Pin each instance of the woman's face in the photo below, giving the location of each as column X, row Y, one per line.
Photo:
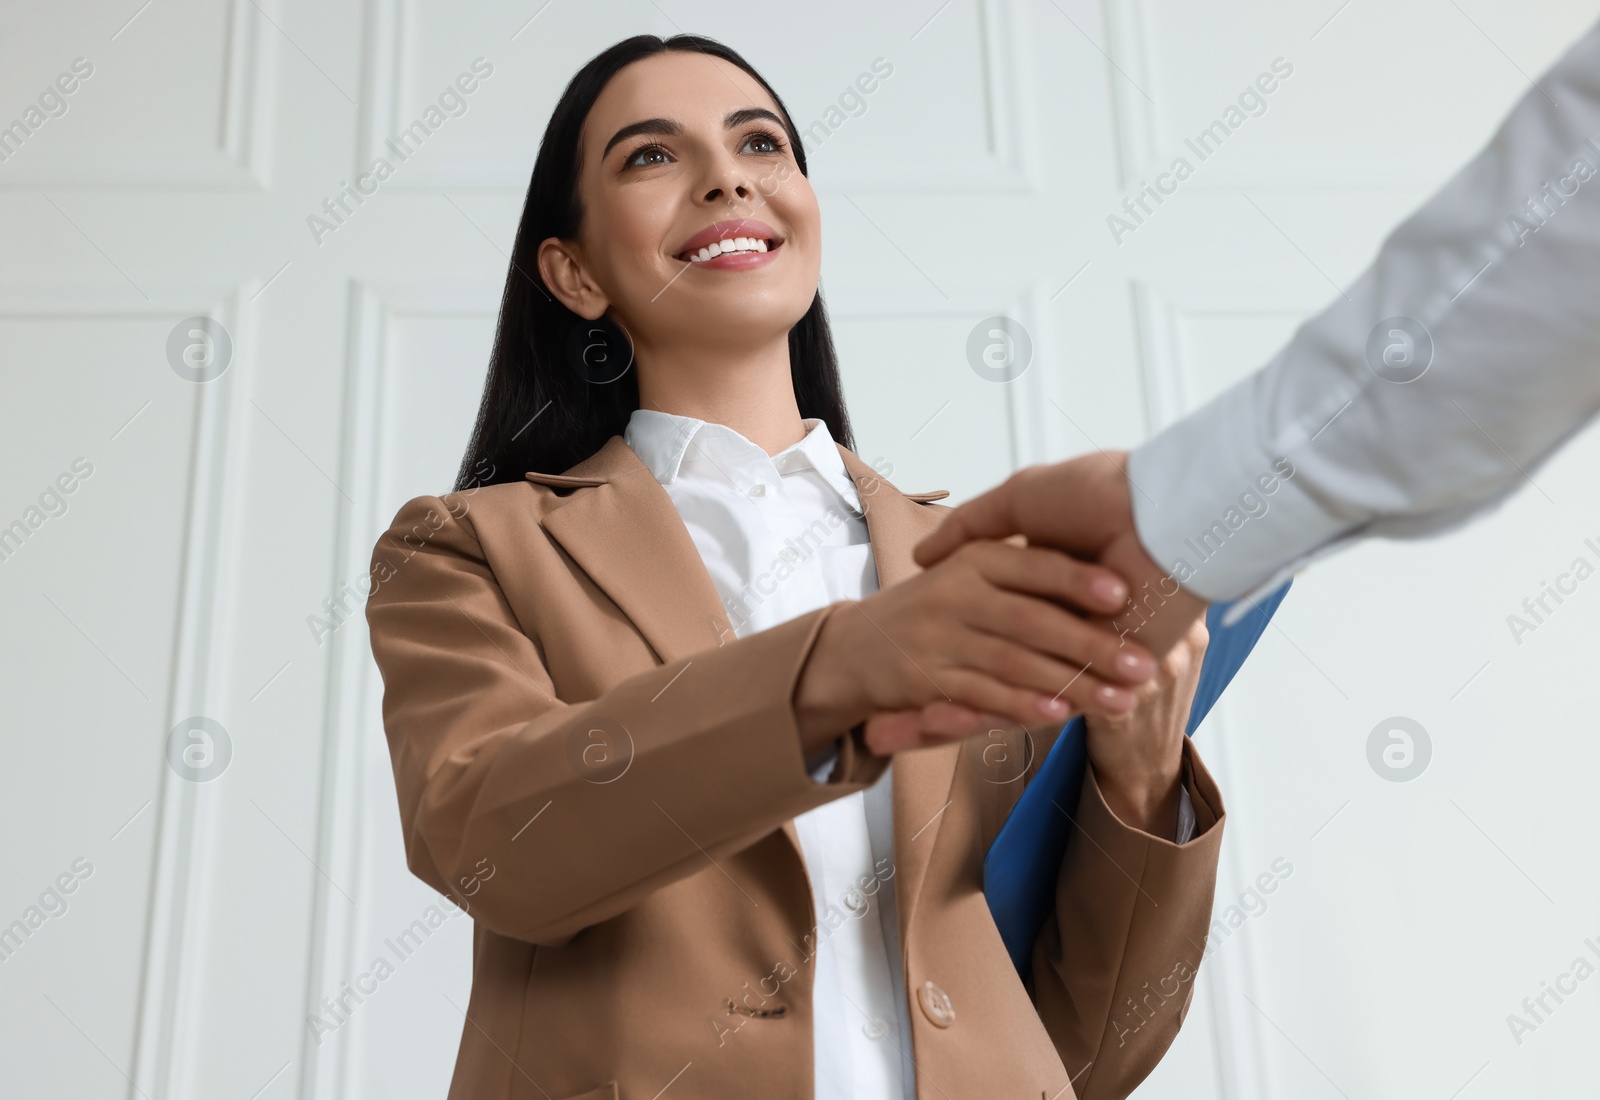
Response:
column 676, row 144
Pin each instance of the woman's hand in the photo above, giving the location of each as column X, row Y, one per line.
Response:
column 1137, row 756
column 991, row 628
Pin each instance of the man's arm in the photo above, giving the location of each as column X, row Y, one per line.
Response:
column 1460, row 361
column 1488, row 290
column 1500, row 273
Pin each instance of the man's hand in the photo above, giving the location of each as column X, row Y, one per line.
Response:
column 1080, row 506
column 1084, row 507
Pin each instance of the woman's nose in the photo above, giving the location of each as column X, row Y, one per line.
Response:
column 736, row 187
column 729, row 181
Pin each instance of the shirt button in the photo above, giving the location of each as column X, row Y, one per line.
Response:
column 875, row 1029
column 936, row 1005
column 759, row 489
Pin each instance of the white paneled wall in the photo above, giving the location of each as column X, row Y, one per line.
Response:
column 208, row 526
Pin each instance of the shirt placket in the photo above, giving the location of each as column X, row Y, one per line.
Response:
column 845, row 865
column 791, row 580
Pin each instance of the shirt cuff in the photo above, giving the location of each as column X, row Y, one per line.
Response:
column 1225, row 516
column 820, row 766
column 1185, row 815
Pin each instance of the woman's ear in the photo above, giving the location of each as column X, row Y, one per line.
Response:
column 562, row 271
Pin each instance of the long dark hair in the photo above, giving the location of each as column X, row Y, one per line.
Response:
column 545, row 406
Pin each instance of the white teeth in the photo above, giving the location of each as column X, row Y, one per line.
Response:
column 731, row 244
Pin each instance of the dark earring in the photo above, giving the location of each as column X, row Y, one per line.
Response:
column 600, row 351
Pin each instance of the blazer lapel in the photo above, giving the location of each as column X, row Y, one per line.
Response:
column 624, row 532
column 922, row 780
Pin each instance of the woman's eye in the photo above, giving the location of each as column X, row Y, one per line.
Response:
column 633, row 159
column 774, row 143
column 768, row 143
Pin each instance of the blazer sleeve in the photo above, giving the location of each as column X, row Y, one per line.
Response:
column 490, row 765
column 1113, row 967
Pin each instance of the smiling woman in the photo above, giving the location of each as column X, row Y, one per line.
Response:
column 600, row 242
column 694, row 833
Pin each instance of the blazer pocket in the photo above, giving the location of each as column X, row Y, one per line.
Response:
column 607, row 1091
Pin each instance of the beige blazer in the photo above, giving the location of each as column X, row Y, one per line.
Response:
column 591, row 762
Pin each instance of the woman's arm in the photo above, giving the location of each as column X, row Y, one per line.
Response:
column 1114, row 965
column 491, row 768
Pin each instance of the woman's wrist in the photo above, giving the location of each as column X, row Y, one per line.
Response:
column 828, row 702
column 1147, row 801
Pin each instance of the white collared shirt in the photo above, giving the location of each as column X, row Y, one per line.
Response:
column 781, row 535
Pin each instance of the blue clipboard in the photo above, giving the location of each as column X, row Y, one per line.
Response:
column 1020, row 869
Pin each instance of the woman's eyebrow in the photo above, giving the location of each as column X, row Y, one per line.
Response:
column 670, row 127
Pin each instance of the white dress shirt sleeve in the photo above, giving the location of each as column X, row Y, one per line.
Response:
column 820, row 766
column 1186, row 820
column 1501, row 269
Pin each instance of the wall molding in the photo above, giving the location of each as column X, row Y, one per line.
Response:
column 1011, row 165
column 1005, row 59
column 1146, row 142
column 1037, row 433
column 172, row 965
column 352, row 712
column 240, row 160
column 1243, row 1046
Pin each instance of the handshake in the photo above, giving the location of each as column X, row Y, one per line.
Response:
column 1071, row 618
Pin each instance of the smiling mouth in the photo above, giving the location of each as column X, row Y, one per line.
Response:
column 730, row 245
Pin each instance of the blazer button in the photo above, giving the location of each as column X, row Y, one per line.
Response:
column 936, row 1005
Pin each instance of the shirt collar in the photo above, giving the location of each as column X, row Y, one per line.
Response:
column 663, row 441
